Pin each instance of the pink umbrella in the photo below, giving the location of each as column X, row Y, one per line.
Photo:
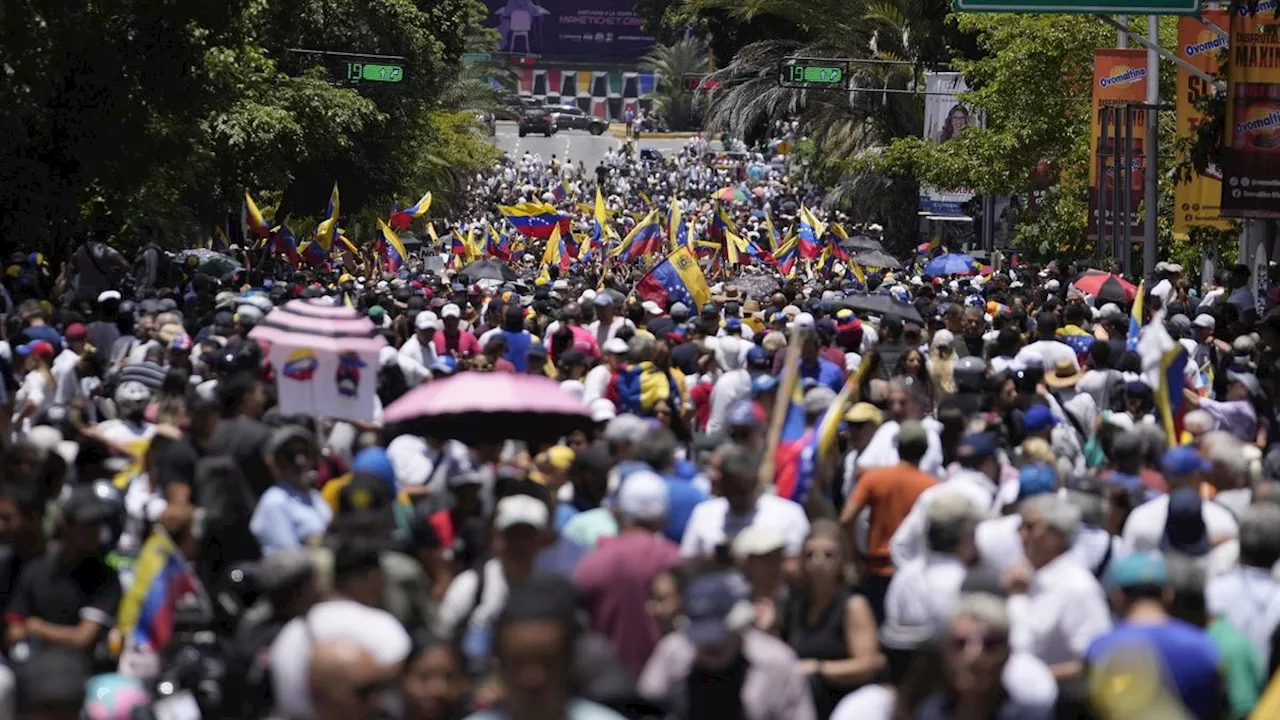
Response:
column 490, row 407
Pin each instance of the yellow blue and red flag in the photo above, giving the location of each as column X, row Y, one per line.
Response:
column 677, row 278
column 162, row 578
column 535, row 219
column 644, row 238
column 497, row 245
column 327, row 230
column 401, row 219
column 811, row 232
column 257, row 224
column 1135, row 317
column 283, row 241
column 390, row 249
column 677, row 229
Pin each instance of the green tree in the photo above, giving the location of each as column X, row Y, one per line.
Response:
column 671, row 63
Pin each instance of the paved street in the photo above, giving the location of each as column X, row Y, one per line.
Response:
column 573, row 144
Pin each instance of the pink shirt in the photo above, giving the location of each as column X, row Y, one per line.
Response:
column 615, row 579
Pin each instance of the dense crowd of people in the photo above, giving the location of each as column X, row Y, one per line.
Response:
column 1017, row 514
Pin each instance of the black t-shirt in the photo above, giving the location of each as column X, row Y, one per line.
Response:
column 245, row 439
column 717, row 694
column 50, row 590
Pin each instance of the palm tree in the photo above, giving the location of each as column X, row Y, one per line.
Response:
column 670, row 63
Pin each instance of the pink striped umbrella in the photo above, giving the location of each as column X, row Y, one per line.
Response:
column 490, row 406
column 319, row 326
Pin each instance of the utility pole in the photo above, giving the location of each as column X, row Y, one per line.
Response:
column 1122, row 38
column 1151, row 196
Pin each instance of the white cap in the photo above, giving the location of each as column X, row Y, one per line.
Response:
column 651, row 307
column 756, row 540
column 1205, row 320
column 451, row 310
column 616, row 346
column 643, row 496
column 804, row 320
column 521, row 510
column 625, row 429
column 426, row 320
column 387, row 356
column 586, row 296
column 602, row 409
column 106, row 295
column 1052, row 285
column 1110, row 310
column 560, row 284
column 791, row 311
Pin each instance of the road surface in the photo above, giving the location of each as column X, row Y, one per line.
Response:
column 574, row 145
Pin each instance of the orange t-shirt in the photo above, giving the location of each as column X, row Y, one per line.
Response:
column 890, row 494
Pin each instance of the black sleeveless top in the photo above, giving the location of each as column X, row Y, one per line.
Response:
column 822, row 641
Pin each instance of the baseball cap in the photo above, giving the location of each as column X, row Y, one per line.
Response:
column 521, row 510
column 912, row 432
column 1204, row 320
column 451, row 310
column 426, row 320
column 108, row 296
column 39, row 348
column 602, row 409
column 625, row 428
column 604, row 299
column 1039, row 418
column 651, row 307
column 680, row 310
column 709, row 602
column 733, row 324
column 616, row 346
column 757, row 358
column 367, row 498
column 818, row 399
column 864, row 412
column 756, row 540
column 286, row 434
column 744, row 413
column 1182, row 461
column 76, row 331
column 977, row 446
column 1141, row 569
column 1249, row 380
column 643, row 496
column 282, row 570
column 1036, row 479
column 763, row 383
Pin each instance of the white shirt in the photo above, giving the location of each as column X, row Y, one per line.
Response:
column 1144, row 531
column 1000, row 546
column 617, row 324
column 1064, row 610
column 65, row 377
column 376, row 631
column 416, row 463
column 461, row 597
column 1046, row 354
column 1250, row 598
column 35, row 388
column 413, row 349
column 712, row 524
column 908, row 541
column 1162, row 290
column 596, row 383
column 882, row 450
column 920, row 598
column 730, row 387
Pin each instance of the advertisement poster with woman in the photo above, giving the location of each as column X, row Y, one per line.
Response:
column 945, row 117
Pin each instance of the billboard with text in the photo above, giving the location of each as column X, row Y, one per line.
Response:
column 570, row 29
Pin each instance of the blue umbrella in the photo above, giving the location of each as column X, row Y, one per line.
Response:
column 952, row 264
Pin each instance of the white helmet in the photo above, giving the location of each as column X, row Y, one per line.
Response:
column 132, row 396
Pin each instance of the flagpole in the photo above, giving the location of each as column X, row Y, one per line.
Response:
column 781, row 401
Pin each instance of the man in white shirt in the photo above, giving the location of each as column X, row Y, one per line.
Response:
column 977, row 479
column 1201, row 529
column 905, row 403
column 1056, row 606
column 421, row 348
column 1249, row 595
column 1168, row 273
column 734, row 382
column 1047, row 351
column 596, row 383
column 718, row 520
column 64, row 365
column 607, row 327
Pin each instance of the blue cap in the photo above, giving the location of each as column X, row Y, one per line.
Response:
column 978, row 446
column 1036, row 479
column 374, row 461
column 763, row 383
column 757, row 357
column 708, row 601
column 1182, row 461
column 742, row 414
column 1137, row 387
column 732, row 324
column 1039, row 418
column 1143, row 569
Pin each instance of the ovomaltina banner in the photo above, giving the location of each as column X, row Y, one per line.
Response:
column 1251, row 145
column 1119, row 79
column 1198, row 202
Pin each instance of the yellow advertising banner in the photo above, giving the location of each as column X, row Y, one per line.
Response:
column 1198, row 202
column 1119, row 80
column 1251, row 142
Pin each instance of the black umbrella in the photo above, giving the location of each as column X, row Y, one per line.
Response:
column 877, row 259
column 410, row 242
column 487, row 270
column 882, row 305
column 862, row 242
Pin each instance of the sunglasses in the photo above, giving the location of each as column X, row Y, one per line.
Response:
column 984, row 642
column 823, row 553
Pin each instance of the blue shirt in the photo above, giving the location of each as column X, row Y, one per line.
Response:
column 1190, row 659
column 287, row 518
column 824, row 372
column 518, row 348
column 682, row 496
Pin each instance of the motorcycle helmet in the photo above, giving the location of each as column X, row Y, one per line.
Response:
column 969, row 374
column 132, row 397
column 113, row 697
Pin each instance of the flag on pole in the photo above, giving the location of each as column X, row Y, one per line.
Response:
column 676, row 279
column 328, row 228
column 401, row 219
column 1135, row 317
column 391, row 249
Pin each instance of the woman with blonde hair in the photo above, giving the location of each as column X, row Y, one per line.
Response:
column 829, row 624
column 942, row 365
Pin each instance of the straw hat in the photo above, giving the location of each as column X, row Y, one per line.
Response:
column 1064, row 375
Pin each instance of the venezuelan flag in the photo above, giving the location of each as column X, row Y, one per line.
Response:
column 328, row 228
column 811, row 232
column 560, row 192
column 257, row 224
column 392, row 250
column 166, row 579
column 556, row 254
column 1168, row 396
column 771, row 234
column 219, row 241
column 1135, row 317
column 497, row 245
column 720, row 225
column 458, row 244
column 676, row 279
column 786, row 257
column 283, row 241
column 600, row 231
column 644, row 238
column 1075, row 337
column 677, row 230
column 311, row 253
column 534, row 219
column 401, row 219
